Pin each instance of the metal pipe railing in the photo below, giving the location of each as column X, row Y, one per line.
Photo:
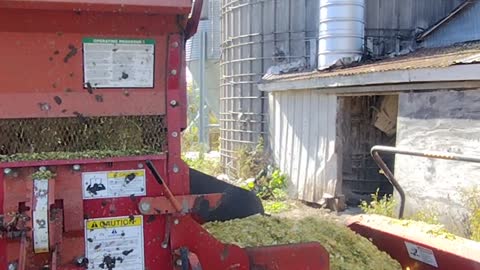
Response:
column 428, row 154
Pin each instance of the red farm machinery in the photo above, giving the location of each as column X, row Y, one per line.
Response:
column 92, row 106
column 99, row 87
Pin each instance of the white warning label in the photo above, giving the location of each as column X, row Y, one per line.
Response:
column 114, row 184
column 115, row 243
column 421, row 254
column 40, row 216
column 118, row 63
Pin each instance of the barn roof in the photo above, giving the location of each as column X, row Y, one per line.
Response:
column 418, row 66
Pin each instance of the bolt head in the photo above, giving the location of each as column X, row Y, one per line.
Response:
column 175, row 44
column 140, row 165
column 173, row 103
column 81, row 261
column 173, row 72
column 176, row 169
column 175, row 134
column 164, row 245
column 178, row 262
column 176, row 221
column 145, row 207
column 76, row 167
column 7, row 171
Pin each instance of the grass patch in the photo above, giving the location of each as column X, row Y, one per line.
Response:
column 384, row 206
column 472, row 201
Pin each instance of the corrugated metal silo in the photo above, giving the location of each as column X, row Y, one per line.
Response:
column 253, row 31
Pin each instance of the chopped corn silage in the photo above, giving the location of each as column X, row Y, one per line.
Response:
column 347, row 250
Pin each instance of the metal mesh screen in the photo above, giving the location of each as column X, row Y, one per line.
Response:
column 80, row 134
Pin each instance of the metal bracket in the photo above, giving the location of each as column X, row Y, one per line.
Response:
column 189, row 203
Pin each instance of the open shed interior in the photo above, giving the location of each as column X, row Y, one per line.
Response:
column 363, row 122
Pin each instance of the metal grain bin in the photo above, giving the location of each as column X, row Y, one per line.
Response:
column 341, row 31
column 252, row 31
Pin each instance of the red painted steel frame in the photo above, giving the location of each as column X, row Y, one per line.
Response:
column 42, row 60
column 68, row 195
column 41, row 52
column 172, row 7
column 449, row 254
column 37, row 37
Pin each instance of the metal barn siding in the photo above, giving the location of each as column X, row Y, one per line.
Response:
column 251, row 30
column 464, row 27
column 302, row 137
column 193, row 46
column 391, row 24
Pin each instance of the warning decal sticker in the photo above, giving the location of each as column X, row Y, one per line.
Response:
column 114, row 184
column 118, row 63
column 421, row 254
column 115, row 243
column 114, row 223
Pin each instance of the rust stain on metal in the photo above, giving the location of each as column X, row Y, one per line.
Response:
column 151, row 219
column 80, row 116
column 72, row 52
column 57, row 100
column 104, row 203
column 225, row 254
column 89, row 88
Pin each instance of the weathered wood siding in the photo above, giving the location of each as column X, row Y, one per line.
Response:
column 302, row 136
column 442, row 121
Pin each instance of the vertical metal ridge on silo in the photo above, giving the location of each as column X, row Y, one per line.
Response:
column 251, row 32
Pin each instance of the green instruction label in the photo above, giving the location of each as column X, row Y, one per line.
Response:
column 118, row 41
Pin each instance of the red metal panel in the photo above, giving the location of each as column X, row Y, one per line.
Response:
column 212, row 254
column 124, row 6
column 176, row 115
column 42, row 64
column 308, row 256
column 68, row 192
column 20, row 164
column 448, row 254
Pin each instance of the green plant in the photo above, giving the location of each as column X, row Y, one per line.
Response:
column 43, row 175
column 268, row 187
column 251, row 162
column 384, row 206
column 472, row 199
column 428, row 216
column 273, row 187
column 275, row 207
